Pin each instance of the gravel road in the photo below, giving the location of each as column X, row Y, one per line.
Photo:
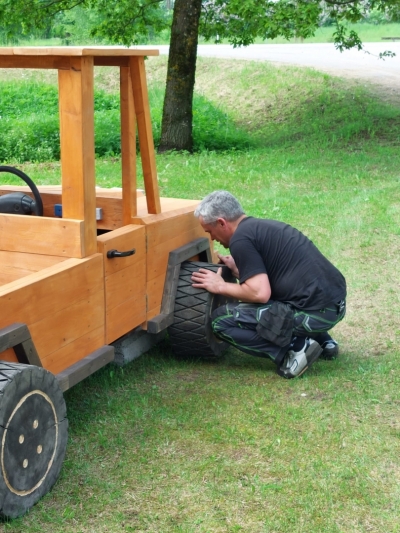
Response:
column 364, row 65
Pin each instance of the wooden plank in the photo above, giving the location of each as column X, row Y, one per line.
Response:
column 84, row 368
column 41, row 235
column 157, row 256
column 101, row 192
column 128, row 147
column 146, row 142
column 155, row 289
column 78, row 51
column 170, row 225
column 76, row 350
column 125, row 317
column 35, row 62
column 76, row 103
column 125, row 284
column 152, row 313
column 47, row 292
column 59, row 329
column 170, row 207
column 15, row 265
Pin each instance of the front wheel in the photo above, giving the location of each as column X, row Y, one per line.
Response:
column 191, row 334
column 33, row 435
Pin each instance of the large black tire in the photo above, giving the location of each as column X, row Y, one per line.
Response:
column 33, row 436
column 191, row 335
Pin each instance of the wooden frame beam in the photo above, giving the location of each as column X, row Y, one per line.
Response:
column 128, row 147
column 146, row 142
column 76, row 102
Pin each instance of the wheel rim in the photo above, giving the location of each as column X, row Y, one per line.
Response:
column 29, row 443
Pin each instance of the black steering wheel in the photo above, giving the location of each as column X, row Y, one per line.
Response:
column 19, row 203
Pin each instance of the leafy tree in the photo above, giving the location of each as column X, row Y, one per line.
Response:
column 238, row 21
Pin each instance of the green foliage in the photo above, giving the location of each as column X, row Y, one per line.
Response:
column 240, row 21
column 74, row 26
column 130, row 22
column 30, row 123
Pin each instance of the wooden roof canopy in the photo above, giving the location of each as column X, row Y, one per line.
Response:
column 75, row 67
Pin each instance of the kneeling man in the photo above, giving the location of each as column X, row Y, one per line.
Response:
column 288, row 296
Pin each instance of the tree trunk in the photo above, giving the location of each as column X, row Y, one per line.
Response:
column 176, row 130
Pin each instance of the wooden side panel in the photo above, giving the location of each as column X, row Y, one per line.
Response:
column 69, row 354
column 63, row 306
column 146, row 142
column 128, row 146
column 41, row 235
column 164, row 236
column 15, row 265
column 60, row 329
column 76, row 102
column 126, row 316
column 125, row 280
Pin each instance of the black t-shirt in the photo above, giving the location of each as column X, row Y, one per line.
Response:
column 298, row 272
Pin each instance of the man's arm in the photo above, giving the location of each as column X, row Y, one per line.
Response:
column 254, row 290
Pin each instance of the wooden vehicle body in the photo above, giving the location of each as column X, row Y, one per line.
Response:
column 65, row 297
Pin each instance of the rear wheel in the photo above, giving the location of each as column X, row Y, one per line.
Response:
column 33, row 435
column 191, row 334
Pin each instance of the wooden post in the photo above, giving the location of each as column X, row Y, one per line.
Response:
column 76, row 103
column 128, row 147
column 146, row 143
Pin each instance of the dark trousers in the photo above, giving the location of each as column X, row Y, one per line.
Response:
column 236, row 324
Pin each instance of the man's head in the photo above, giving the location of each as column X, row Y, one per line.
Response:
column 219, row 214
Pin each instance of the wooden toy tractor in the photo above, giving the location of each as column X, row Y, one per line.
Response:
column 87, row 275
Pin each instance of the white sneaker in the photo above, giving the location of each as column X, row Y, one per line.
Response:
column 295, row 363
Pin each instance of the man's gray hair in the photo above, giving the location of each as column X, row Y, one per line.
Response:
column 219, row 204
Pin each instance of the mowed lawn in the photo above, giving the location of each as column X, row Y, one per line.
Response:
column 166, row 445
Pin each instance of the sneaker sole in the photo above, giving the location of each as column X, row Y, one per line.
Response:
column 312, row 355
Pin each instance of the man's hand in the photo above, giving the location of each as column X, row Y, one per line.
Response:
column 230, row 263
column 208, row 280
column 254, row 290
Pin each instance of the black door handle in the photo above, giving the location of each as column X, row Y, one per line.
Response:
column 115, row 253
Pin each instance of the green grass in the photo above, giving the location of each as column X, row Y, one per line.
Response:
column 174, row 446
